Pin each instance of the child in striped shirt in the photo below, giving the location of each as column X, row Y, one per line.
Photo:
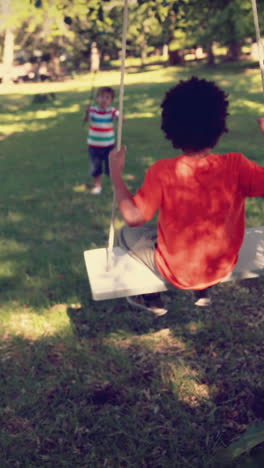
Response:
column 101, row 136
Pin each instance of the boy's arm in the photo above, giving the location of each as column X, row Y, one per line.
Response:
column 261, row 124
column 251, row 177
column 86, row 115
column 116, row 115
column 124, row 197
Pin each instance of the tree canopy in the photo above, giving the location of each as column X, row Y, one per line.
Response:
column 51, row 28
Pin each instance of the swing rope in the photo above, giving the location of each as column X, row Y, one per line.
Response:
column 259, row 41
column 94, row 73
column 119, row 131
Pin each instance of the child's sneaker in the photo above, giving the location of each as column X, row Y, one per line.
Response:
column 203, row 298
column 96, row 190
column 203, row 302
column 149, row 302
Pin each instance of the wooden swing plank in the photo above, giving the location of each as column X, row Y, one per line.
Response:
column 128, row 277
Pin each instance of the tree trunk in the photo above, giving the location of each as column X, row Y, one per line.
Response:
column 234, row 51
column 94, row 58
column 8, row 49
column 8, row 56
column 210, row 54
column 175, row 57
column 55, row 67
column 143, row 52
column 165, row 51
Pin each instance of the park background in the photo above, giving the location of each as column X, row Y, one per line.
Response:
column 98, row 384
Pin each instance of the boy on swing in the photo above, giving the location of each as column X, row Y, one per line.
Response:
column 200, row 197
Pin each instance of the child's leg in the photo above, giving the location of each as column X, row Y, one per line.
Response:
column 97, row 181
column 202, row 297
column 202, row 293
column 96, row 168
column 140, row 242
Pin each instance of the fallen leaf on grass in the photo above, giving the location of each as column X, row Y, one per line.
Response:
column 253, row 436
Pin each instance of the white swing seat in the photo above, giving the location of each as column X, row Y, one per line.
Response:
column 126, row 276
column 129, row 277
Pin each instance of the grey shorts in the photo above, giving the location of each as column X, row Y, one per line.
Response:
column 140, row 242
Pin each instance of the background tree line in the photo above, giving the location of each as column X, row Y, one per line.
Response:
column 46, row 33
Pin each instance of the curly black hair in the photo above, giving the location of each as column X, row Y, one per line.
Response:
column 194, row 114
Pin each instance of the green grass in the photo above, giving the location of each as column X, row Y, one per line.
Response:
column 96, row 384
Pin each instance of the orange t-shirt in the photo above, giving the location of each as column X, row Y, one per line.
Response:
column 201, row 222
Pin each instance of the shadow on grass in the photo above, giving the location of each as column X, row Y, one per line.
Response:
column 132, row 390
column 91, row 405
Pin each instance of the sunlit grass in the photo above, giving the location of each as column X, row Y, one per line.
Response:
column 181, row 379
column 32, row 325
column 247, row 104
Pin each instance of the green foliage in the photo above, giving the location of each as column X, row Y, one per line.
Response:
column 226, row 22
column 72, row 26
column 14, row 13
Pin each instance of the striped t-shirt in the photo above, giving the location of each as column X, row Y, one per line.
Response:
column 101, row 129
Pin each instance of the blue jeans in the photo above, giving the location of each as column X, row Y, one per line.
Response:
column 99, row 158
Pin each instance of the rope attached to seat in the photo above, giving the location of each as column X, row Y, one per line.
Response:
column 259, row 41
column 111, row 237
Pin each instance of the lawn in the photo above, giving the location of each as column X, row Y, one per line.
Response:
column 97, row 384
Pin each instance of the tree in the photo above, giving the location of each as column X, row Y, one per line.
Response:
column 228, row 22
column 12, row 14
column 54, row 27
